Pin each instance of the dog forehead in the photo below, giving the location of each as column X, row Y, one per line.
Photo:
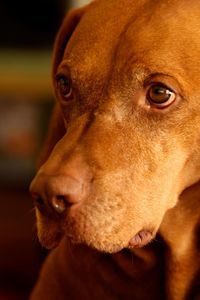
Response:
column 168, row 26
column 92, row 44
column 106, row 20
column 166, row 39
column 147, row 30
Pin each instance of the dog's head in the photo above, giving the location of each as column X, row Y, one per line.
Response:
column 124, row 138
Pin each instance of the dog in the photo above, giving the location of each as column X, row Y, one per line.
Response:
column 117, row 193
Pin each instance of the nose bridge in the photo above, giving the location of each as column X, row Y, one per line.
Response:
column 65, row 178
column 67, row 150
column 66, row 162
column 81, row 133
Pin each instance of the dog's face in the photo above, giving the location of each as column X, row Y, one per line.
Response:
column 127, row 83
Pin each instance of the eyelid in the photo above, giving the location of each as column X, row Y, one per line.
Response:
column 165, row 80
column 63, row 70
column 164, row 85
column 60, row 75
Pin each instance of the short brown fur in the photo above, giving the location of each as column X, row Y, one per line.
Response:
column 143, row 163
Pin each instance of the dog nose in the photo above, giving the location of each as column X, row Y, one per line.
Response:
column 57, row 192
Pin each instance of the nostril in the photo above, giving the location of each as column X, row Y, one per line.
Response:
column 59, row 204
column 38, row 200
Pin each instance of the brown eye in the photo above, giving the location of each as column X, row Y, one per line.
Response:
column 160, row 96
column 64, row 85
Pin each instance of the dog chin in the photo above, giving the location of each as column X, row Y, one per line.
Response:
column 51, row 240
column 106, row 247
column 140, row 240
column 109, row 245
column 50, row 235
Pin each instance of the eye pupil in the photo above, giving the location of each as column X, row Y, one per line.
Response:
column 64, row 85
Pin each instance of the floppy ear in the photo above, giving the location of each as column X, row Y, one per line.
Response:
column 56, row 127
column 66, row 30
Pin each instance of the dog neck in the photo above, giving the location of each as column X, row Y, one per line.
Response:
column 177, row 257
column 179, row 230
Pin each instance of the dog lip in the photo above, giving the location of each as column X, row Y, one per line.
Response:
column 51, row 245
column 142, row 238
column 52, row 241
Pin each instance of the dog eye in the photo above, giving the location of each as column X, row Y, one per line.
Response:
column 64, row 86
column 160, row 96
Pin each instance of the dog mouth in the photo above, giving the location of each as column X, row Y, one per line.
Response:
column 51, row 239
column 80, row 225
column 51, row 242
column 141, row 239
column 51, row 232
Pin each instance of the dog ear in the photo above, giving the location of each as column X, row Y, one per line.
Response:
column 56, row 127
column 66, row 30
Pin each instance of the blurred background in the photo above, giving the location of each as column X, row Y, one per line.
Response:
column 27, row 32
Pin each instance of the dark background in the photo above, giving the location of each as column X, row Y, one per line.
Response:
column 27, row 32
column 30, row 24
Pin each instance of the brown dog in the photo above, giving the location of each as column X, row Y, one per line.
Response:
column 126, row 162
